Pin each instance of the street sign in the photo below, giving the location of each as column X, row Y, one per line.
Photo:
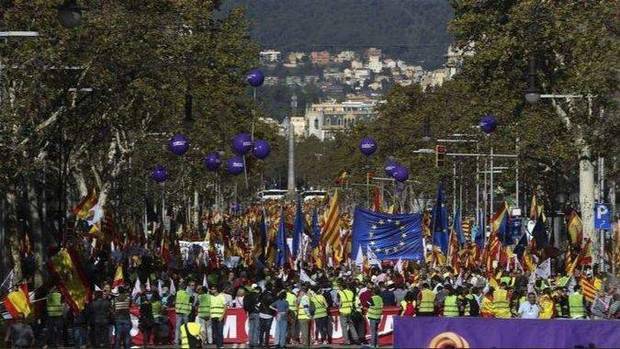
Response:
column 602, row 217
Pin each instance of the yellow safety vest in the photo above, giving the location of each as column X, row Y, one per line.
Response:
column 546, row 305
column 346, row 302
column 320, row 306
column 301, row 312
column 156, row 308
column 376, row 309
column 501, row 308
column 218, row 306
column 204, row 305
column 575, row 305
column 427, row 303
column 182, row 304
column 54, row 307
column 194, row 330
column 450, row 308
column 291, row 299
column 467, row 299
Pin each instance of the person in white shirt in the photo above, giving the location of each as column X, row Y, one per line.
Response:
column 529, row 309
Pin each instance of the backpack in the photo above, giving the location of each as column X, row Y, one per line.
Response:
column 193, row 341
column 409, row 309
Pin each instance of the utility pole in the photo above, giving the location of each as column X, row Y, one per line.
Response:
column 291, row 160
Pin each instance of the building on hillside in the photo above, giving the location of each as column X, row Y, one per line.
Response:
column 325, row 119
column 345, row 56
column 357, row 65
column 295, row 57
column 269, row 121
column 294, row 80
column 372, row 51
column 271, row 80
column 375, row 64
column 270, row 57
column 320, row 57
column 299, row 126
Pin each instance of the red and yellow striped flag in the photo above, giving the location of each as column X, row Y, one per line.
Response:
column 330, row 235
column 589, row 289
column 119, row 280
column 18, row 302
column 82, row 209
column 72, row 281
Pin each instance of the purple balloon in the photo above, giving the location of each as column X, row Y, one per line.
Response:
column 212, row 161
column 389, row 168
column 401, row 173
column 234, row 165
column 488, row 124
column 255, row 78
column 178, row 144
column 159, row 174
column 261, row 149
column 368, row 146
column 242, row 143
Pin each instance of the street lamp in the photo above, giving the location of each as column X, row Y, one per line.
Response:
column 532, row 95
column 69, row 14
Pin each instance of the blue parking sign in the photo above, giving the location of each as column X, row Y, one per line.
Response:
column 602, row 217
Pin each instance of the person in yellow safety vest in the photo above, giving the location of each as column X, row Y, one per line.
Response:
column 486, row 306
column 55, row 310
column 195, row 340
column 203, row 316
column 320, row 314
column 546, row 305
column 501, row 307
column 217, row 311
column 291, row 299
column 450, row 304
column 577, row 304
column 426, row 304
column 183, row 307
column 304, row 316
column 375, row 311
column 345, row 302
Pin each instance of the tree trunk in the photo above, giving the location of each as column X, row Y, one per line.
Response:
column 586, row 196
column 36, row 233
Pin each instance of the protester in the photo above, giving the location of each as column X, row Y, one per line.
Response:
column 20, row 334
column 218, row 311
column 529, row 309
column 280, row 307
column 375, row 310
column 122, row 320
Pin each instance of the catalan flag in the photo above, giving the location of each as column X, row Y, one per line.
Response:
column 588, row 286
column 18, row 302
column 82, row 209
column 72, row 283
column 501, row 225
column 331, row 232
column 118, row 277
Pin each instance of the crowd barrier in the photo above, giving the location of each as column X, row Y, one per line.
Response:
column 236, row 326
column 439, row 332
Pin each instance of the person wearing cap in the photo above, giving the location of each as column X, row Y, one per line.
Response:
column 250, row 305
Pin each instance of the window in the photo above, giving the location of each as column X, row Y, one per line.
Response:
column 316, row 123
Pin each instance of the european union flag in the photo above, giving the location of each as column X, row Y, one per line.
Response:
column 440, row 221
column 389, row 236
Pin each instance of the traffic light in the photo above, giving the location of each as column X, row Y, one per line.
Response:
column 440, row 155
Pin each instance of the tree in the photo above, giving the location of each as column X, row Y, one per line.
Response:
column 93, row 107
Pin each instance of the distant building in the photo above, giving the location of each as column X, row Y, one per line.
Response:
column 325, row 119
column 345, row 56
column 311, row 79
column 269, row 121
column 271, row 80
column 294, row 80
column 295, row 57
column 375, row 64
column 299, row 126
column 390, row 63
column 373, row 52
column 357, row 65
column 320, row 57
column 270, row 57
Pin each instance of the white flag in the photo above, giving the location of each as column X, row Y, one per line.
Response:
column 305, row 278
column 399, row 266
column 148, row 284
column 250, row 238
column 544, row 269
column 204, row 281
column 173, row 290
column 359, row 258
column 160, row 287
column 137, row 288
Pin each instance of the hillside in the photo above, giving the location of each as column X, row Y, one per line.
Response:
column 412, row 30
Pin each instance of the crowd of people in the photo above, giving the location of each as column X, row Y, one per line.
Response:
column 301, row 310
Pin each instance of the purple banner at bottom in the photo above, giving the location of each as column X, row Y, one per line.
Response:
column 438, row 332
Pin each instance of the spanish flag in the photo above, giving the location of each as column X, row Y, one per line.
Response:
column 82, row 210
column 72, row 282
column 18, row 302
column 331, row 233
